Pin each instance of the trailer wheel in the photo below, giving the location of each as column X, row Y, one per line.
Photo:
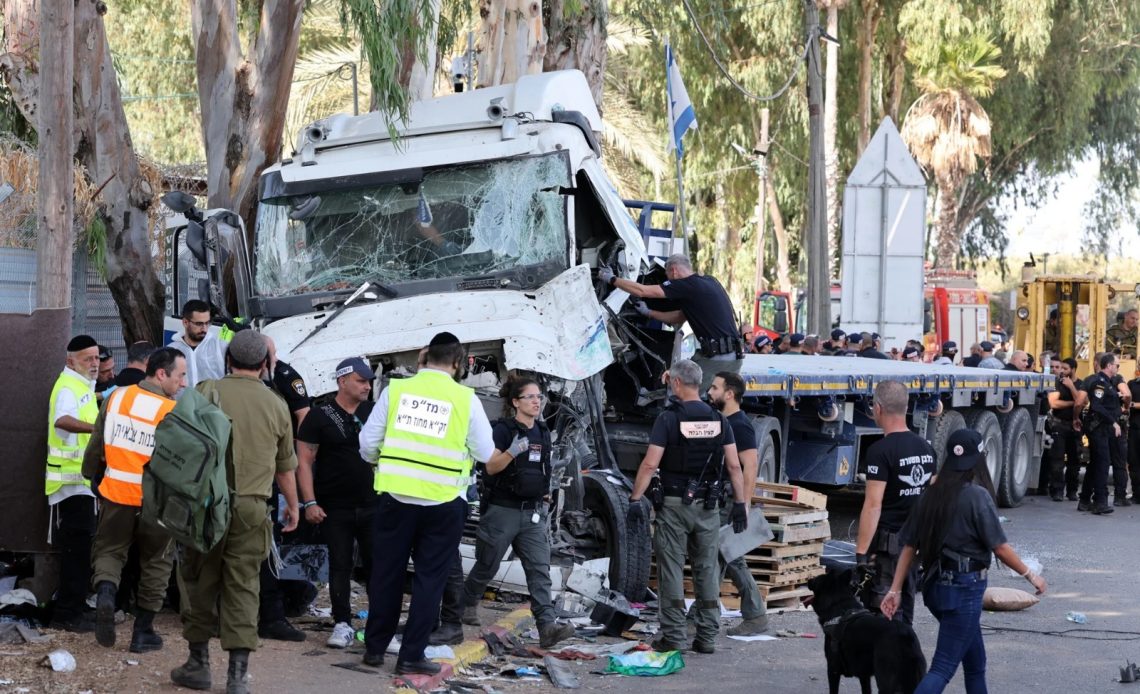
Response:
column 948, row 423
column 1014, row 479
column 628, row 548
column 767, row 460
column 987, row 425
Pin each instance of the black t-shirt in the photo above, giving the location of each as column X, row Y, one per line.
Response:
column 972, row 360
column 341, row 478
column 1104, row 398
column 705, row 304
column 289, row 385
column 129, row 376
column 1134, row 388
column 872, row 353
column 975, row 530
column 742, row 431
column 905, row 461
column 504, row 433
column 1065, row 394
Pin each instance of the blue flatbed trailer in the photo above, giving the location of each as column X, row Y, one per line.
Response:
column 813, row 416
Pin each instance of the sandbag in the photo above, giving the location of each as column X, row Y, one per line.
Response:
column 1007, row 599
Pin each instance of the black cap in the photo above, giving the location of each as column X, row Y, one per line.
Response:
column 910, row 351
column 964, row 450
column 876, row 336
column 950, row 346
column 761, row 341
column 444, row 338
column 104, row 353
column 837, row 334
column 355, row 365
column 855, row 338
column 81, row 342
column 796, row 339
column 986, row 346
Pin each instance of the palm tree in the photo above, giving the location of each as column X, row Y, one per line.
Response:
column 948, row 131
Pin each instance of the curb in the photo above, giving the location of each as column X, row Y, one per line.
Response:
column 466, row 653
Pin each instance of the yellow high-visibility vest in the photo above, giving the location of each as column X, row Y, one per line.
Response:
column 64, row 461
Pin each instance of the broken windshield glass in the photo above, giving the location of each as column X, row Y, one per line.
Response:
column 460, row 221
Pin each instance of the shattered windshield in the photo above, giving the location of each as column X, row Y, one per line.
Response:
column 459, row 221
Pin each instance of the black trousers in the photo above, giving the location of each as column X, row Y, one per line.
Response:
column 343, row 531
column 1134, row 457
column 1118, row 447
column 429, row 536
column 1095, row 485
column 1064, row 460
column 451, row 610
column 72, row 536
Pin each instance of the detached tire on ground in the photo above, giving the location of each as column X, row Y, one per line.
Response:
column 1013, row 482
column 987, row 425
column 628, row 548
column 949, row 422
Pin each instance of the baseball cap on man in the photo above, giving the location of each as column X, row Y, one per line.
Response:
column 837, row 334
column 964, row 450
column 355, row 365
column 796, row 339
column 761, row 341
column 910, row 351
column 950, row 346
column 105, row 353
column 986, row 346
column 855, row 338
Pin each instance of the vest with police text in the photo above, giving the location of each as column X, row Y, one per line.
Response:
column 65, row 462
column 130, row 418
column 695, row 448
column 424, row 453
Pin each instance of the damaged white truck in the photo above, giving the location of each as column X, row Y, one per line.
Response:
column 487, row 218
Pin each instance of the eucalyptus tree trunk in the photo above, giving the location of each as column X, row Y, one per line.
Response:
column 783, row 271
column 243, row 97
column 577, row 40
column 512, row 41
column 418, row 76
column 830, row 125
column 872, row 14
column 104, row 149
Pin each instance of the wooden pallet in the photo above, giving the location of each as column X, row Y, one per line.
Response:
column 785, row 600
column 798, row 577
column 800, row 532
column 789, row 495
column 781, row 515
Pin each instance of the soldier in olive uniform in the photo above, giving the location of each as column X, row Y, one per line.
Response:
column 1121, row 337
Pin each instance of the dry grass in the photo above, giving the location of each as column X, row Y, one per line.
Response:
column 20, row 167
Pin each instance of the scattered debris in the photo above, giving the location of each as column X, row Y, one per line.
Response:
column 19, row 596
column 356, row 666
column 18, row 633
column 432, row 652
column 1129, row 673
column 793, row 634
column 1077, row 617
column 646, row 663
column 60, row 661
column 755, row 637
column 314, row 652
column 560, row 674
column 614, row 611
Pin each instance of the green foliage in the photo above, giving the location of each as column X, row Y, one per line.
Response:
column 967, row 65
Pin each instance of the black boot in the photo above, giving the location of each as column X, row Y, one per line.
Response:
column 446, row 634
column 105, row 613
column 238, row 675
column 143, row 638
column 195, row 672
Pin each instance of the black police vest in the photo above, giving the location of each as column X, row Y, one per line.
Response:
column 695, row 448
column 525, row 478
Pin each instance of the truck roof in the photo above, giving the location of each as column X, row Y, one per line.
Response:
column 787, row 375
column 537, row 97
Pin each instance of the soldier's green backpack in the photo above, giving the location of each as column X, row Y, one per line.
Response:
column 185, row 485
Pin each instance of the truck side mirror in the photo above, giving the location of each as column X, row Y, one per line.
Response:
column 780, row 319
column 196, row 241
column 178, row 201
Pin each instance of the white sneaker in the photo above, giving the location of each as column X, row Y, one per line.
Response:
column 342, row 636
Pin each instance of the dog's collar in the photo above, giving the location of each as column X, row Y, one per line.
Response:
column 849, row 614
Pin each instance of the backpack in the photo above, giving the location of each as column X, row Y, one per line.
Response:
column 185, row 485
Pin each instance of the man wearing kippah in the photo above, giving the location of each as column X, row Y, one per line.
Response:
column 71, row 420
column 423, row 435
column 262, row 450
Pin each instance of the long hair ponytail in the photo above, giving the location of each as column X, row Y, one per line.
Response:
column 935, row 512
column 512, row 389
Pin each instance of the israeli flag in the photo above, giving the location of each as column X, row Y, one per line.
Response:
column 681, row 113
column 423, row 211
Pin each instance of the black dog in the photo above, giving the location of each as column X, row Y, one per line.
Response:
column 860, row 643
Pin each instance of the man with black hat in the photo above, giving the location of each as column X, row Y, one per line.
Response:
column 837, row 345
column 336, row 485
column 262, row 452
column 106, row 377
column 949, row 354
column 422, row 435
column 795, row 344
column 71, row 420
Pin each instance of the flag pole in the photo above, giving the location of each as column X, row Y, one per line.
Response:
column 680, row 194
column 679, row 229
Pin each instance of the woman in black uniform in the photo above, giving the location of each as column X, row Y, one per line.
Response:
column 953, row 531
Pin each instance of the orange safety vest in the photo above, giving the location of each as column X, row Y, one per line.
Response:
column 128, row 441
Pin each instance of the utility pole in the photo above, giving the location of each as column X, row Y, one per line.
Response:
column 761, row 158
column 818, row 299
column 55, row 237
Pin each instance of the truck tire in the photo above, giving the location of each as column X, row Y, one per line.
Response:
column 1018, row 445
column 768, row 463
column 628, row 548
column 948, row 423
column 987, row 425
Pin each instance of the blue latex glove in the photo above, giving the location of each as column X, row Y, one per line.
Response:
column 642, row 308
column 605, row 274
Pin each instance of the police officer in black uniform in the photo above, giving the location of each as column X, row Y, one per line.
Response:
column 1102, row 428
column 694, row 447
column 702, row 301
column 1063, row 457
column 1134, row 433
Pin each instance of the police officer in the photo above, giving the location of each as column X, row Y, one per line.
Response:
column 514, row 513
column 899, row 467
column 120, row 448
column 106, row 376
column 71, row 420
column 726, row 394
column 1121, row 337
column 262, row 448
column 867, row 347
column 762, row 344
column 795, row 344
column 1134, row 433
column 702, row 301
column 949, row 354
column 1102, row 428
column 1063, row 456
column 838, row 343
column 422, row 433
column 694, row 447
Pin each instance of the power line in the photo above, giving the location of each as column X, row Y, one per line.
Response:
column 724, row 71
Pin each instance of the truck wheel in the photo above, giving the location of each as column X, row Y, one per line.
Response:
column 767, row 462
column 987, row 425
column 1014, row 479
column 948, row 423
column 628, row 548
